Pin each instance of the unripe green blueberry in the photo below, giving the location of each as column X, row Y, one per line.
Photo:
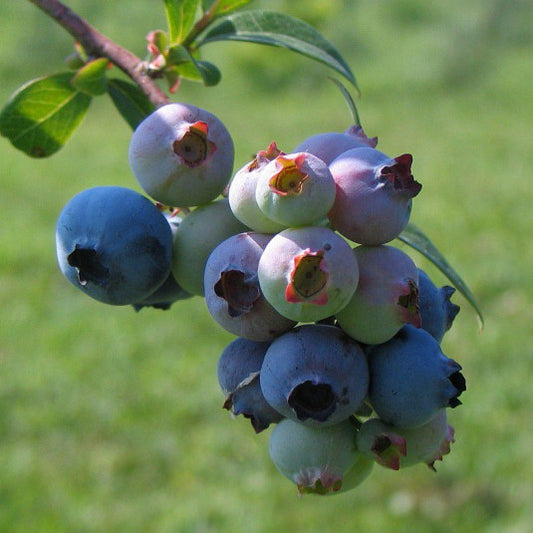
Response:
column 241, row 193
column 296, row 189
column 196, row 237
column 308, row 274
column 182, row 155
column 318, row 460
column 397, row 448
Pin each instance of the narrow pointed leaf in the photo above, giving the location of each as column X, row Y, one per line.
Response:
column 415, row 238
column 349, row 101
column 40, row 117
column 91, row 78
column 277, row 29
column 130, row 101
column 223, row 7
column 180, row 18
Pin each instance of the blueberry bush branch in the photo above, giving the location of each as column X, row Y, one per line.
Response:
column 98, row 45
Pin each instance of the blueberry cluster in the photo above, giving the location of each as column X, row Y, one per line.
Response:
column 337, row 331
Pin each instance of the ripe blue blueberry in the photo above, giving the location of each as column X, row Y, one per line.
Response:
column 315, row 374
column 411, row 379
column 437, row 312
column 113, row 244
column 238, row 376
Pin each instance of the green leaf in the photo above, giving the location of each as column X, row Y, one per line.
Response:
column 180, row 17
column 349, row 100
column 130, row 101
column 201, row 71
column 91, row 78
column 277, row 29
column 223, row 7
column 177, row 55
column 415, row 238
column 40, row 117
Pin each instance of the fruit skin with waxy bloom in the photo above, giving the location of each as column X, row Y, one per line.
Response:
column 396, row 448
column 329, row 145
column 296, row 190
column 315, row 374
column 196, row 237
column 374, row 195
column 386, row 297
column 242, row 190
column 322, row 461
column 238, row 376
column 308, row 273
column 182, row 155
column 437, row 312
column 232, row 292
column 113, row 244
column 411, row 379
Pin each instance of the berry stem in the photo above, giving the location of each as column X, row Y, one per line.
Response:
column 98, row 45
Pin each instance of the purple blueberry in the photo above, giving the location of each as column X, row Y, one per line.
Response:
column 308, row 274
column 232, row 292
column 327, row 146
column 386, row 297
column 182, row 155
column 396, row 448
column 113, row 244
column 319, row 460
column 411, row 379
column 374, row 195
column 437, row 312
column 315, row 374
column 238, row 375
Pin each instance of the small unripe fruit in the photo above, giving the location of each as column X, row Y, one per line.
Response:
column 319, row 460
column 374, row 195
column 296, row 190
column 232, row 292
column 308, row 274
column 196, row 237
column 242, row 190
column 386, row 297
column 397, row 448
column 182, row 155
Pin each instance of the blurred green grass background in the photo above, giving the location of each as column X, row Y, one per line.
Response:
column 111, row 420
